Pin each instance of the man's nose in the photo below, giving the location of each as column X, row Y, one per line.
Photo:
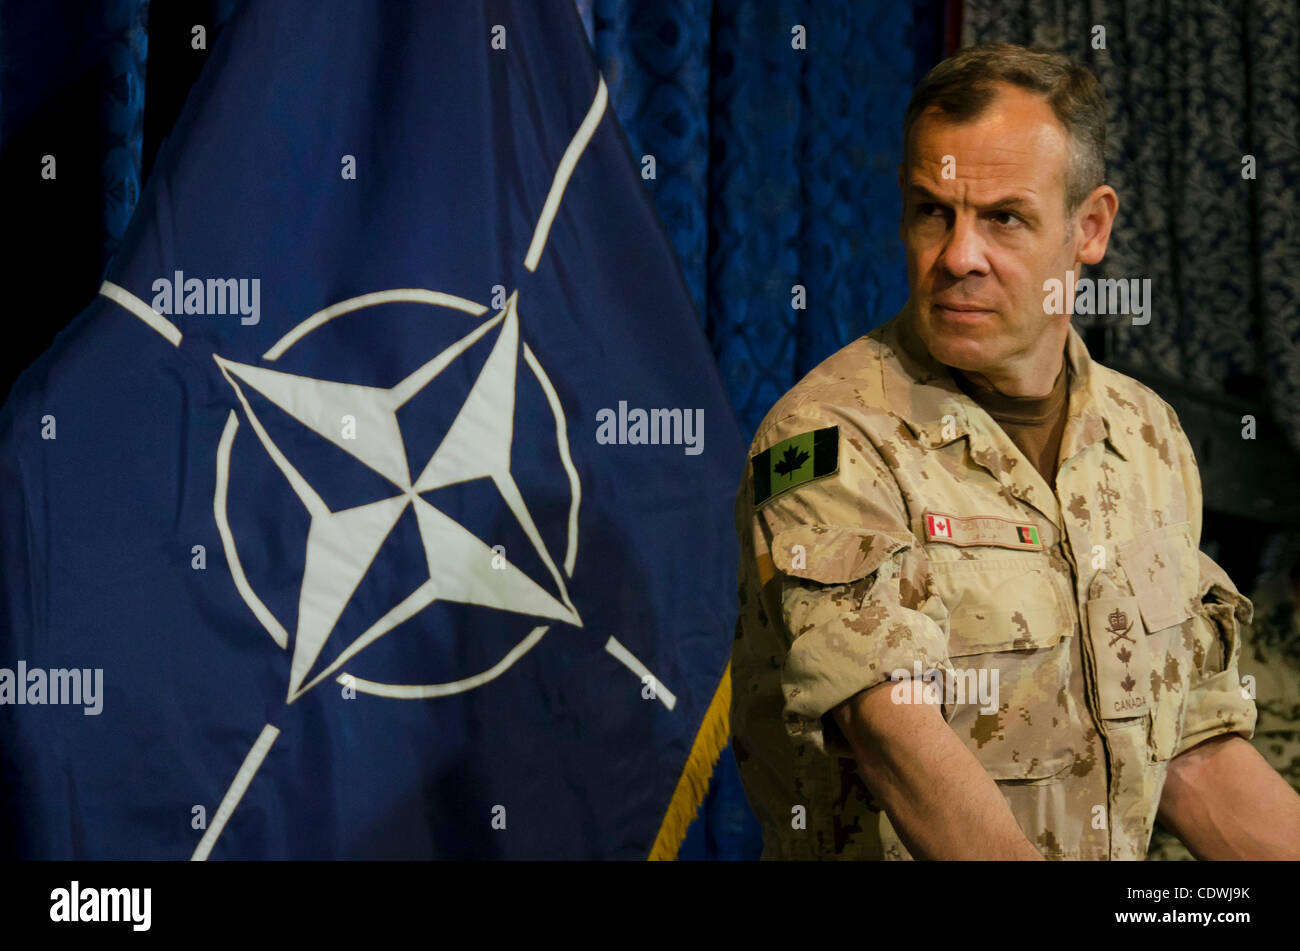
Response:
column 964, row 252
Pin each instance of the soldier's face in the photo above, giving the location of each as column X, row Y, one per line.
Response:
column 984, row 226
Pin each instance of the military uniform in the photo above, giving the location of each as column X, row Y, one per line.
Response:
column 888, row 525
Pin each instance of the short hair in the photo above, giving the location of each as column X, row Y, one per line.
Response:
column 964, row 85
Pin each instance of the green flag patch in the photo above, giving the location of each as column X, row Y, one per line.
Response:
column 796, row 461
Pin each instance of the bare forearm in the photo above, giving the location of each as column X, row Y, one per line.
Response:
column 941, row 801
column 1225, row 802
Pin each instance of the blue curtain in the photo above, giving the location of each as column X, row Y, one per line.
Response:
column 773, row 127
column 775, row 166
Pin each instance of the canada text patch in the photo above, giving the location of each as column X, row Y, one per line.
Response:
column 1119, row 645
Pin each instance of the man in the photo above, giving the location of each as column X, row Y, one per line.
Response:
column 962, row 499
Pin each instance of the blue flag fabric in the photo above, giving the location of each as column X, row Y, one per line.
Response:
column 380, row 505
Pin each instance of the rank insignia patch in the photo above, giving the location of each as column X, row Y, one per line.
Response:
column 795, row 461
column 1119, row 647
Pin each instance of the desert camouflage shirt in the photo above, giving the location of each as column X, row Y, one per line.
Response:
column 887, row 525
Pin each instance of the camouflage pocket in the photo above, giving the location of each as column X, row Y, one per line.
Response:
column 1161, row 568
column 1009, row 638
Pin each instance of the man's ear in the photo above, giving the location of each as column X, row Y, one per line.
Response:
column 1093, row 222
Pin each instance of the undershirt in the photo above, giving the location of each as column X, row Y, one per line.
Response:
column 1034, row 423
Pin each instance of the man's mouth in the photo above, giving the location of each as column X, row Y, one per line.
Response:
column 961, row 311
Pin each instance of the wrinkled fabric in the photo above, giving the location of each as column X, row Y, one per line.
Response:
column 1114, row 640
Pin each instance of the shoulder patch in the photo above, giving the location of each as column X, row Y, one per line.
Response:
column 795, row 461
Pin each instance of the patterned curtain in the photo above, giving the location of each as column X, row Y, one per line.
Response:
column 1193, row 87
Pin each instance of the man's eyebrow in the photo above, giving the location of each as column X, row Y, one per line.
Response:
column 1011, row 202
column 1008, row 203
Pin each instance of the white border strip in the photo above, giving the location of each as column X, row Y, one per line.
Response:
column 668, row 698
column 581, row 139
column 252, row 762
column 425, row 691
column 120, row 295
column 411, row 295
column 562, row 436
column 263, row 613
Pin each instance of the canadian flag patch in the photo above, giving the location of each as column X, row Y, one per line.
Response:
column 987, row 530
column 939, row 526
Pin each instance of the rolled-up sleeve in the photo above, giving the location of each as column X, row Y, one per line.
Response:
column 1217, row 701
column 850, row 584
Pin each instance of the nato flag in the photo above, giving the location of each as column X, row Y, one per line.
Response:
column 379, row 506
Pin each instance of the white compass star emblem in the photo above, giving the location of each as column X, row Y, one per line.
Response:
column 342, row 544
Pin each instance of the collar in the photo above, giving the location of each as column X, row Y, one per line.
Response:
column 922, row 392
